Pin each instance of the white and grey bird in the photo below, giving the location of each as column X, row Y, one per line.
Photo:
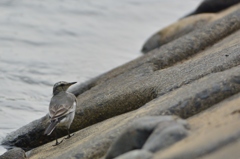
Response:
column 61, row 108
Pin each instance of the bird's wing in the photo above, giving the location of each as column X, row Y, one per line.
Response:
column 61, row 105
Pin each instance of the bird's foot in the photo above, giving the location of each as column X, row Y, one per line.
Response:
column 57, row 143
column 69, row 135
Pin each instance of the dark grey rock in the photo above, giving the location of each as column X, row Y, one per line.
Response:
column 135, row 136
column 34, row 138
column 15, row 153
column 183, row 27
column 136, row 154
column 213, row 6
column 215, row 134
column 94, row 141
column 164, row 135
column 176, row 30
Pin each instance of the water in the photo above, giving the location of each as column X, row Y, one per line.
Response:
column 42, row 42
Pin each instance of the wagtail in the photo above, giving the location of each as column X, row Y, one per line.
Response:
column 61, row 108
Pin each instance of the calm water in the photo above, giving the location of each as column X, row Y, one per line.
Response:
column 42, row 42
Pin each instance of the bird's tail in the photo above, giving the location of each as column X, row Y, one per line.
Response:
column 51, row 127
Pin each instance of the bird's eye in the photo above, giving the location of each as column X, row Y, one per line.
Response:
column 61, row 85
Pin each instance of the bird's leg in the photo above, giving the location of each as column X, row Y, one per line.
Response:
column 57, row 143
column 69, row 135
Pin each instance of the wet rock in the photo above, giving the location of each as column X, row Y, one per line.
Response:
column 33, row 138
column 135, row 136
column 15, row 153
column 136, row 154
column 212, row 6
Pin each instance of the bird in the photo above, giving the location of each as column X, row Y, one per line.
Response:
column 61, row 109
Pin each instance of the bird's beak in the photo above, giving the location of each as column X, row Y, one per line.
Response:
column 71, row 83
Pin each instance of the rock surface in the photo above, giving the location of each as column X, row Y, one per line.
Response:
column 184, row 102
column 195, row 77
column 164, row 135
column 15, row 153
column 183, row 27
column 212, row 6
column 150, row 133
column 136, row 154
column 217, row 129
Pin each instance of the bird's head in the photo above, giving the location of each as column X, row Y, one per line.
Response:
column 61, row 86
